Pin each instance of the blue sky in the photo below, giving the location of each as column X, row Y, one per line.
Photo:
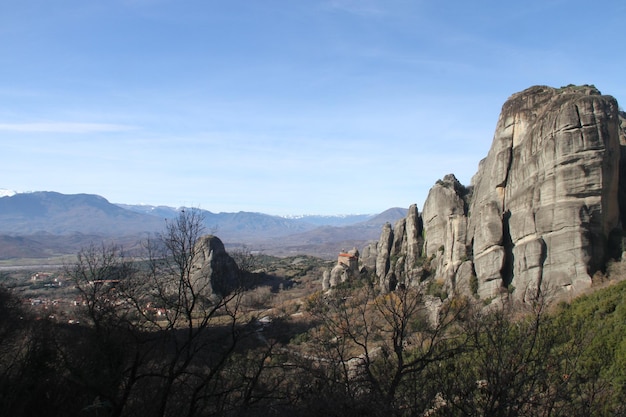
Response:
column 278, row 106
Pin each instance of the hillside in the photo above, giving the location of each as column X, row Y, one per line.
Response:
column 62, row 214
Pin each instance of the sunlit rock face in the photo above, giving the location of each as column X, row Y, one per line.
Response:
column 445, row 227
column 540, row 212
column 545, row 198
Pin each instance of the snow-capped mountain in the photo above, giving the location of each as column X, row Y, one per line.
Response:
column 7, row 193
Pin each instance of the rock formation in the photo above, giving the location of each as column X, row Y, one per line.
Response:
column 347, row 268
column 398, row 252
column 545, row 200
column 445, row 225
column 541, row 211
column 213, row 268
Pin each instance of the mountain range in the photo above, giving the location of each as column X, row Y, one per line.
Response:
column 45, row 223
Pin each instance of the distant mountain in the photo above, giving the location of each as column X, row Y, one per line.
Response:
column 22, row 247
column 6, row 193
column 240, row 225
column 336, row 220
column 46, row 245
column 307, row 219
column 44, row 223
column 62, row 214
column 328, row 241
column 316, row 235
column 164, row 212
column 388, row 216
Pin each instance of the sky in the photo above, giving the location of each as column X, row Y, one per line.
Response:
column 282, row 107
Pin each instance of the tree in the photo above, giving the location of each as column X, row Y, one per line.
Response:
column 379, row 347
column 521, row 362
column 31, row 383
column 97, row 274
column 159, row 330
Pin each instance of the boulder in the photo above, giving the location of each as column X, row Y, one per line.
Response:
column 347, row 268
column 338, row 274
column 214, row 271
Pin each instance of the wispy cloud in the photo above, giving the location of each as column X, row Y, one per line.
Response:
column 64, row 127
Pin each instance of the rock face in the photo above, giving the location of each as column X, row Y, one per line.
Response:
column 542, row 209
column 545, row 198
column 445, row 225
column 213, row 268
column 399, row 252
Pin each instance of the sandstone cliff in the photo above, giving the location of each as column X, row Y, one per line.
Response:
column 542, row 210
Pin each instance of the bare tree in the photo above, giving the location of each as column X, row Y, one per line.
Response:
column 104, row 355
column 179, row 332
column 245, row 259
column 197, row 328
column 384, row 343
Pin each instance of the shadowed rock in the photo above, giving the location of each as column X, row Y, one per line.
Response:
column 214, row 267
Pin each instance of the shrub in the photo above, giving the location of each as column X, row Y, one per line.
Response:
column 473, row 283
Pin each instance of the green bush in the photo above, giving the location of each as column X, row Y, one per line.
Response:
column 473, row 283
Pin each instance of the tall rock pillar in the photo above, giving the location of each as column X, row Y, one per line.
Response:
column 545, row 198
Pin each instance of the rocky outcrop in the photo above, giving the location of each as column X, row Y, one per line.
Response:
column 445, row 202
column 369, row 254
column 399, row 252
column 542, row 209
column 413, row 247
column 383, row 257
column 445, row 225
column 346, row 269
column 545, row 201
column 213, row 269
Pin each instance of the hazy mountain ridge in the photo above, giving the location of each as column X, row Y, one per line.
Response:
column 326, row 241
column 56, row 213
column 49, row 223
column 308, row 219
column 332, row 220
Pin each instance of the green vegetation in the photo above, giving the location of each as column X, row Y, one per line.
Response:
column 473, row 283
column 600, row 319
column 576, row 87
column 436, row 289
